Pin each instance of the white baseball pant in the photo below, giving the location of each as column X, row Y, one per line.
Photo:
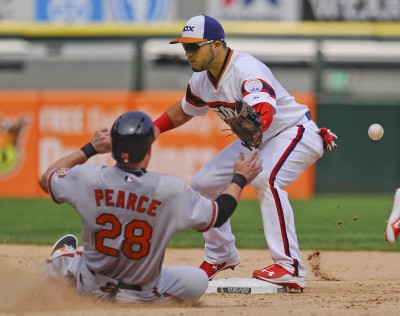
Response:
column 285, row 157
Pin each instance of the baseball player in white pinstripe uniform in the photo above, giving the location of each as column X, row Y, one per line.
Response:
column 291, row 143
column 393, row 223
column 129, row 215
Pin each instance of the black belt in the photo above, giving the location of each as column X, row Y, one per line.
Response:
column 124, row 286
column 133, row 287
column 308, row 115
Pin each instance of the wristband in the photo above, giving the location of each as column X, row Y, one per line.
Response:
column 88, row 150
column 164, row 123
column 239, row 179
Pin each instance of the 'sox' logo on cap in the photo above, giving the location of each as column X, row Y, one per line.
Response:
column 188, row 28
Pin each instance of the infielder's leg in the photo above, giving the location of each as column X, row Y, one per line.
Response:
column 210, row 180
column 285, row 157
column 393, row 223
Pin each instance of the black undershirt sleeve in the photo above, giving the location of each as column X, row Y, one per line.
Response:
column 226, row 205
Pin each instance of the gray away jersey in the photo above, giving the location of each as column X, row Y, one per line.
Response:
column 128, row 220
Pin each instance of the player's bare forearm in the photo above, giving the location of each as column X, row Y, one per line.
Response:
column 173, row 117
column 177, row 115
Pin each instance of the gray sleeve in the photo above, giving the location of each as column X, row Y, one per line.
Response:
column 64, row 183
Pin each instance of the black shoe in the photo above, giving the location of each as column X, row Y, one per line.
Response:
column 67, row 241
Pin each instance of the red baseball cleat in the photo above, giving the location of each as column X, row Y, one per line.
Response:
column 277, row 274
column 213, row 269
column 393, row 224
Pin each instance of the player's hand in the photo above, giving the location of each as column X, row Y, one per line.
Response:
column 249, row 167
column 328, row 138
column 101, row 141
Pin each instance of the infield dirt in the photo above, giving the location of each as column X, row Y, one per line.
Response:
column 338, row 283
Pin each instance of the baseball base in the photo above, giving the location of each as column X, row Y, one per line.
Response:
column 243, row 286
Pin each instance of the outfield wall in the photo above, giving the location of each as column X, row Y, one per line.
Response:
column 360, row 164
column 38, row 127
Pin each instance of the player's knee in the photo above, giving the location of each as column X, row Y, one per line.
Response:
column 261, row 182
column 197, row 182
column 198, row 288
column 209, row 183
column 200, row 184
column 196, row 284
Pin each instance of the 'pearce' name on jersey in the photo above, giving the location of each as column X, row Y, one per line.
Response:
column 126, row 200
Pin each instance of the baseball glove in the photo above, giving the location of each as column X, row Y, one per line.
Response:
column 246, row 125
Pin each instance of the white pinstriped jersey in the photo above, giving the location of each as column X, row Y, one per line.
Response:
column 242, row 77
column 127, row 219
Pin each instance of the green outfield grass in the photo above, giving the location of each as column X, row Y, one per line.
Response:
column 326, row 222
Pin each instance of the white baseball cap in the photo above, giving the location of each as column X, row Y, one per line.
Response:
column 201, row 28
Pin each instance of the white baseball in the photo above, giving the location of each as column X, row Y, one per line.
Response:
column 375, row 132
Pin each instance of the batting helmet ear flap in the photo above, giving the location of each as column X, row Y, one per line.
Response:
column 131, row 137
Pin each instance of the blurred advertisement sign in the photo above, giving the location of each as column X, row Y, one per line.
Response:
column 5, row 9
column 87, row 11
column 18, row 144
column 272, row 10
column 39, row 127
column 139, row 10
column 351, row 10
column 69, row 10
